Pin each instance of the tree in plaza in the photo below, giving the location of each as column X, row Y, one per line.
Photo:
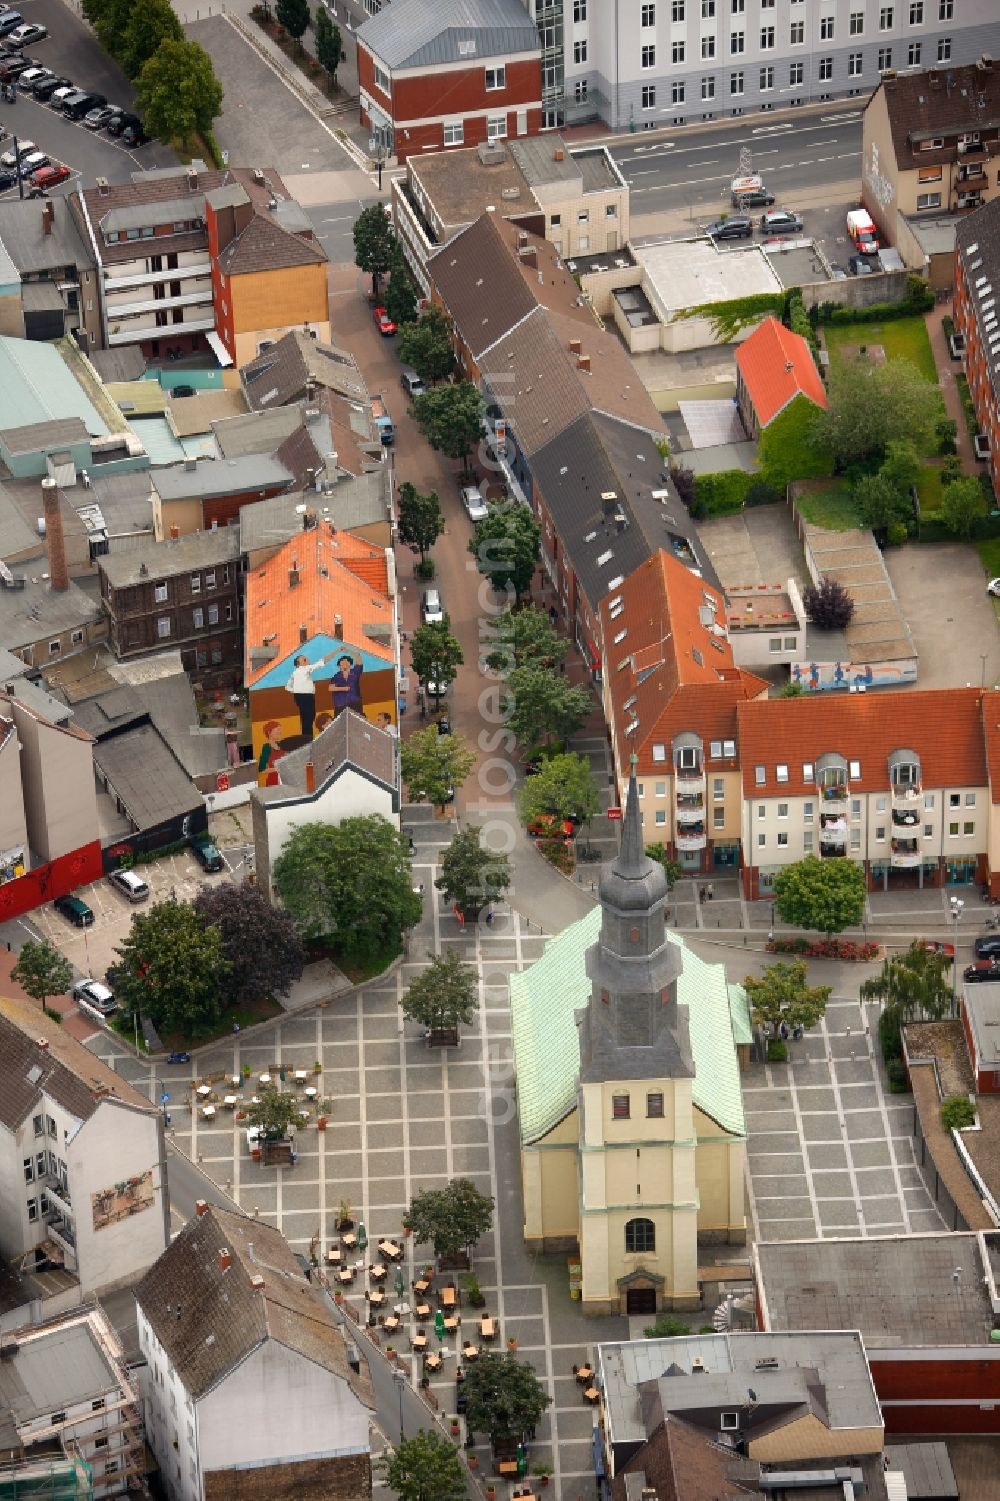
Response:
column 259, row 940
column 348, row 883
column 374, row 243
column 294, row 16
column 400, row 293
column 177, row 92
column 828, row 606
column 425, row 1467
column 504, row 1397
column 443, row 996
column 563, row 786
column 173, row 969
column 434, row 765
column 782, row 994
column 828, row 895
column 328, row 42
column 522, row 638
column 420, row 520
column 436, row 653
column 153, row 22
column 671, row 868
column 962, row 503
column 451, row 419
column 427, row 346
column 506, row 546
column 273, row 1112
column 472, row 875
column 541, row 707
column 41, row 970
column 870, row 405
column 452, row 1219
column 911, row 985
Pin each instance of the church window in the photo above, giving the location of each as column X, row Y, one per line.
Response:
column 640, row 1235
column 620, row 1107
column 634, row 935
column 654, row 1105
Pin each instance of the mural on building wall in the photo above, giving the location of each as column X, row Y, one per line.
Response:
column 12, row 864
column 819, row 677
column 124, row 1199
column 297, row 698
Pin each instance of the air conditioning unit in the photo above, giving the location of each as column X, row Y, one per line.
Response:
column 697, row 1364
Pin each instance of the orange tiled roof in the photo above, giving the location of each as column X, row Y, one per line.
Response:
column 943, row 726
column 777, row 365
column 674, row 672
column 339, row 574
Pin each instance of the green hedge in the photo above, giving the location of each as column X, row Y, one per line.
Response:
column 933, row 529
column 919, row 299
column 723, row 493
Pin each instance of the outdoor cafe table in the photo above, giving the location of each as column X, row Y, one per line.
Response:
column 448, row 1297
column 423, row 1310
column 390, row 1250
column 420, row 1342
column 377, row 1272
column 451, row 1324
column 231, row 1101
column 487, row 1328
column 208, row 1111
column 421, row 1285
column 311, row 1092
column 433, row 1361
column 584, row 1374
column 391, row 1323
column 333, row 1256
column 349, row 1239
column 203, row 1091
column 300, row 1076
column 376, row 1298
column 470, row 1352
column 346, row 1274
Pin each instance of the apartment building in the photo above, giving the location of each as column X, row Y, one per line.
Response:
column 66, row 1391
column 898, row 782
column 248, row 1388
column 454, row 73
column 932, row 138
column 83, row 1183
column 977, row 276
column 184, row 593
column 192, row 259
column 651, row 63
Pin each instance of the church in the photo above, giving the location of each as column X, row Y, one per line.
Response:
column 633, row 1139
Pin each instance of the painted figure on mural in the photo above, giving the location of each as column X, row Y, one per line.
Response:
column 302, row 687
column 345, row 684
column 271, row 751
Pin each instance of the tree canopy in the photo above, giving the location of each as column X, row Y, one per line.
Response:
column 444, row 995
column 433, row 765
column 564, row 786
column 173, row 969
column 543, row 707
column 374, row 243
column 828, row 604
column 294, row 16
column 329, row 43
column 259, row 940
column 451, row 418
column 504, row 1397
column 962, row 503
column 427, row 346
column 871, row 405
column 506, row 546
column 177, row 92
column 782, row 994
column 348, row 883
column 453, row 1219
column 911, row 985
column 472, row 875
column 436, row 653
column 148, row 25
column 274, row 1111
column 523, row 638
column 420, row 520
column 424, row 1468
column 400, row 293
column 41, row 970
column 828, row 895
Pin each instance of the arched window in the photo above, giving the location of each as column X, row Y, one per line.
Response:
column 640, row 1235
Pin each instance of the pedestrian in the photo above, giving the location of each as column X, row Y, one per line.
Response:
column 553, row 614
column 708, row 891
column 783, row 1031
column 701, row 893
column 236, row 1028
column 423, row 707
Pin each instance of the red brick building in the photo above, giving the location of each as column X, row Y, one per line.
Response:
column 977, row 276
column 455, row 73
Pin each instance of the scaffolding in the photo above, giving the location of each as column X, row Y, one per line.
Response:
column 53, row 1479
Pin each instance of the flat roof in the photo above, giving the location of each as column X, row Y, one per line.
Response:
column 202, row 479
column 934, row 236
column 53, row 1370
column 899, row 1291
column 797, row 262
column 686, row 273
column 982, row 1006
column 157, row 560
column 760, row 609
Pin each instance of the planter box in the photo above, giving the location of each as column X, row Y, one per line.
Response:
column 442, row 1037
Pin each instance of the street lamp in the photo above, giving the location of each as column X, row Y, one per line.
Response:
column 956, row 908
column 400, row 1381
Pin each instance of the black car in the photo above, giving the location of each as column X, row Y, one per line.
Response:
column 7, row 179
column 983, row 969
column 77, row 911
column 206, row 852
column 13, row 67
column 732, row 227
column 119, row 120
column 134, row 135
column 988, row 946
column 46, row 87
column 182, row 391
column 75, row 106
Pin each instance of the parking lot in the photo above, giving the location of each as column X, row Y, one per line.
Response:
column 72, row 51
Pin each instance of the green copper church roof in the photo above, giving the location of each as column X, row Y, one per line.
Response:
column 544, row 998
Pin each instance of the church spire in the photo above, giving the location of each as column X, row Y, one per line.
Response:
column 632, row 860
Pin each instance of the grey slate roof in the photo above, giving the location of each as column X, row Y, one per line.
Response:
column 413, row 34
column 161, row 687
column 351, row 740
column 146, row 776
column 211, row 478
column 165, row 559
column 279, row 374
column 209, row 1318
column 354, row 501
column 55, row 610
column 125, row 363
column 255, row 432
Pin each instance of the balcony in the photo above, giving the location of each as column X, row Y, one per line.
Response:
column 61, row 1234
column 906, row 795
column 829, row 848
column 904, row 853
column 134, row 333
column 972, row 172
column 691, row 836
column 973, row 151
column 834, row 793
column 120, row 283
column 690, row 807
column 690, row 781
column 905, row 818
column 58, row 1196
column 127, row 309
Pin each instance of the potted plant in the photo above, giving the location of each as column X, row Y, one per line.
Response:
column 344, row 1219
column 476, row 1296
column 317, row 1067
column 455, row 1428
column 491, row 1491
column 511, row 1342
column 543, row 1472
column 338, row 1296
column 473, row 1461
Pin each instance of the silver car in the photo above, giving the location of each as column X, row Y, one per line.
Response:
column 431, row 608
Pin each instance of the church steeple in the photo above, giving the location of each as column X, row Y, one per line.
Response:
column 633, row 1027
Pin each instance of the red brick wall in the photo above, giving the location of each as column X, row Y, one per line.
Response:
column 976, row 369
column 949, row 1394
column 223, row 510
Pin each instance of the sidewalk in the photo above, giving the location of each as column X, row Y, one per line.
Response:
column 947, row 369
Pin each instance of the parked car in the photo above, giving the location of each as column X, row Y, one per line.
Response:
column 76, row 910
column 547, row 826
column 179, row 1057
column 134, row 135
column 13, row 67
column 988, row 946
column 75, row 106
column 981, row 971
column 27, row 34
column 10, row 20
column 411, row 382
column 31, row 163
column 97, row 118
column 7, row 179
column 50, row 176
column 129, row 884
column 30, row 76
column 754, row 198
column 119, row 120
column 935, row 946
column 475, row 505
column 46, row 87
column 206, row 852
column 92, row 996
column 733, row 227
column 431, row 608
column 58, row 95
column 183, row 391
column 780, row 222
column 858, row 266
column 383, row 322
column 993, row 587
column 444, row 725
column 837, row 272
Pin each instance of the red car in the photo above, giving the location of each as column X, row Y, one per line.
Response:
column 383, row 322
column 547, row 826
column 935, row 946
column 48, row 177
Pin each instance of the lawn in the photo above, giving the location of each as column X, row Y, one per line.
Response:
column 901, row 338
column 828, row 503
column 929, row 488
column 989, row 556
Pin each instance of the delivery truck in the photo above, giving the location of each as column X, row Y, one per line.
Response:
column 863, row 230
column 382, row 420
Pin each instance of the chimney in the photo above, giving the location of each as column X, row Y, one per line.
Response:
column 303, row 634
column 191, row 177
column 102, row 187
column 558, row 154
column 257, row 1283
column 41, row 1042
column 310, row 777
column 175, row 532
column 143, row 570
column 575, row 346
column 200, row 1207
column 48, row 215
column 190, row 464
column 310, row 389
column 54, row 541
column 522, row 237
column 225, row 1259
column 583, row 362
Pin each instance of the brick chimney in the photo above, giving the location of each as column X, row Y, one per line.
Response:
column 225, row 1259
column 48, row 217
column 583, row 362
column 200, row 1207
column 55, row 543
